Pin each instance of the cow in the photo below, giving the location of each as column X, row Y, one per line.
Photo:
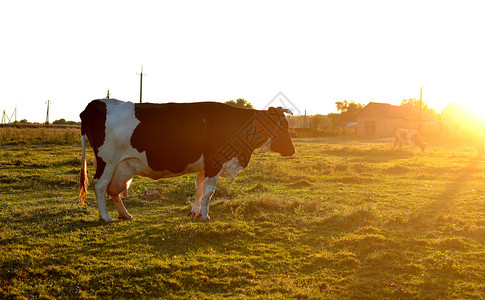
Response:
column 410, row 137
column 166, row 140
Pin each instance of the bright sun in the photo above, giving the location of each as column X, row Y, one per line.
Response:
column 466, row 111
column 476, row 110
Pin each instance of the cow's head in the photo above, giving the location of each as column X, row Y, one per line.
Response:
column 281, row 140
column 416, row 137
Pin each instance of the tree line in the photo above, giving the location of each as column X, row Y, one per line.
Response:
column 56, row 122
column 347, row 113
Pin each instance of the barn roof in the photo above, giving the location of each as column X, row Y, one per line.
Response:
column 387, row 110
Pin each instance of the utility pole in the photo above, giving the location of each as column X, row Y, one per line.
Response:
column 420, row 105
column 47, row 116
column 107, row 95
column 141, row 82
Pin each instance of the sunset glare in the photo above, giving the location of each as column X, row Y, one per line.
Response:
column 315, row 52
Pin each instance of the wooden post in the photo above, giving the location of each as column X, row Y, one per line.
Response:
column 141, row 82
column 47, row 116
column 420, row 105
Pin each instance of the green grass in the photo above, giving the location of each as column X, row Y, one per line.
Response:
column 339, row 219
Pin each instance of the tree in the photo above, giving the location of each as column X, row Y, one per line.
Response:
column 64, row 122
column 319, row 121
column 348, row 110
column 414, row 103
column 334, row 119
column 60, row 122
column 240, row 103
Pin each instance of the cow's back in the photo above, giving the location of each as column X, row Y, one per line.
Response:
column 171, row 135
column 176, row 134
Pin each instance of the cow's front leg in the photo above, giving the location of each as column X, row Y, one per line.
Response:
column 209, row 189
column 411, row 146
column 199, row 193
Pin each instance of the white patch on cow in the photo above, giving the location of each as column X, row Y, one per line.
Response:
column 120, row 125
column 195, row 166
column 231, row 168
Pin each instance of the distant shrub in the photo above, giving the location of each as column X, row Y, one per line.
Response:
column 63, row 122
column 39, row 135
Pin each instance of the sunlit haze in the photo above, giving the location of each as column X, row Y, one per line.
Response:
column 315, row 52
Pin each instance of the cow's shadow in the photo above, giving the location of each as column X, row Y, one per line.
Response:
column 445, row 200
column 148, row 240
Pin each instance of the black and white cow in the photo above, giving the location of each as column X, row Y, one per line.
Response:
column 166, row 140
column 410, row 137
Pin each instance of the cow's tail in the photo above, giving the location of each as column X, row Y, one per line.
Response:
column 83, row 180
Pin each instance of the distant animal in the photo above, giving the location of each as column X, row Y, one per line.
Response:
column 410, row 137
column 167, row 140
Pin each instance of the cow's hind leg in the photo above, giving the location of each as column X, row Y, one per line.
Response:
column 101, row 179
column 100, row 188
column 119, row 184
column 209, row 189
column 199, row 193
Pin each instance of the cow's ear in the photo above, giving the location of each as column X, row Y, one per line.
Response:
column 272, row 111
column 285, row 110
column 280, row 110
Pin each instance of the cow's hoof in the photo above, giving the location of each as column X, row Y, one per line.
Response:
column 126, row 218
column 107, row 220
column 194, row 215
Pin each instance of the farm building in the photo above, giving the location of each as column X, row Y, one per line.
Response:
column 380, row 120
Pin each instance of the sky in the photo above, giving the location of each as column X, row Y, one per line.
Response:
column 314, row 52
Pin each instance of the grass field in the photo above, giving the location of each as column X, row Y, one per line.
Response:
column 342, row 218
